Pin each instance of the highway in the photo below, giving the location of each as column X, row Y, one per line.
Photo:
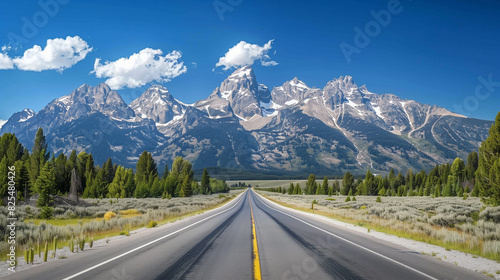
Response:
column 219, row 244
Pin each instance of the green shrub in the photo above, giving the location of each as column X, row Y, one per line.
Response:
column 46, row 213
column 151, row 224
column 347, row 199
column 378, row 199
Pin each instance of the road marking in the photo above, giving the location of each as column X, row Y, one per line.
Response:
column 154, row 241
column 348, row 241
column 256, row 259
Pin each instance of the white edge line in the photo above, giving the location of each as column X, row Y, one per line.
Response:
column 151, row 242
column 343, row 239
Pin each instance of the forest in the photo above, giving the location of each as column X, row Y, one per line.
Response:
column 42, row 173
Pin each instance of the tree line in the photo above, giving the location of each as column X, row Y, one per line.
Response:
column 480, row 177
column 41, row 172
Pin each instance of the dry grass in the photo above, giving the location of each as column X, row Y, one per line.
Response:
column 71, row 222
column 450, row 222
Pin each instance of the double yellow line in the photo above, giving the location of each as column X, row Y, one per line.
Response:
column 256, row 260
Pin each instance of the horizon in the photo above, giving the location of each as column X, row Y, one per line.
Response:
column 418, row 51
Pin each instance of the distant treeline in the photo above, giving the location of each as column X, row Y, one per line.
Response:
column 479, row 177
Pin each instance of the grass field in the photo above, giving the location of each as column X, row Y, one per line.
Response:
column 88, row 223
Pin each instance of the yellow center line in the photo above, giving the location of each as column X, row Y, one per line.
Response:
column 256, row 260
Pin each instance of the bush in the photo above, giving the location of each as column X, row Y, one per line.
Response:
column 46, row 213
column 130, row 212
column 347, row 199
column 151, row 224
column 109, row 215
column 378, row 199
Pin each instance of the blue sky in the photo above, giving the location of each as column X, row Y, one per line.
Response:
column 435, row 53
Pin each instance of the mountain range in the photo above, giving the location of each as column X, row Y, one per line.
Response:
column 245, row 126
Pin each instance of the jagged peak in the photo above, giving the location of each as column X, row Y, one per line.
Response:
column 343, row 81
column 243, row 72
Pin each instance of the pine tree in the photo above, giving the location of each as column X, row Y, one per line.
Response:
column 146, row 167
column 471, row 167
column 45, row 186
column 60, row 174
column 100, row 184
column 129, row 188
column 4, row 177
column 186, row 189
column 347, row 183
column 369, row 186
column 156, row 189
column 298, row 189
column 118, row 184
column 290, row 189
column 489, row 153
column 109, row 171
column 205, row 182
column 22, row 179
column 39, row 156
column 325, row 185
column 310, row 184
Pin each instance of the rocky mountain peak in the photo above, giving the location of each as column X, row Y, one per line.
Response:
column 100, row 98
column 158, row 104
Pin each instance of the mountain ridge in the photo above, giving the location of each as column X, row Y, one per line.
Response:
column 244, row 125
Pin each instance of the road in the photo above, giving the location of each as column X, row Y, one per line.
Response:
column 218, row 244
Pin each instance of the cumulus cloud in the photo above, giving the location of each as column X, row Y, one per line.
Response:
column 6, row 62
column 244, row 53
column 59, row 54
column 140, row 68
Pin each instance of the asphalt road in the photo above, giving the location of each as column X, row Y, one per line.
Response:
column 218, row 245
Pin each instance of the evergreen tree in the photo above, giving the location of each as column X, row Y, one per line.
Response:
column 129, row 188
column 142, row 190
column 22, row 179
column 471, row 167
column 347, row 183
column 310, row 184
column 116, row 187
column 146, row 168
column 45, row 186
column 100, row 184
column 186, row 189
column 325, row 185
column 156, row 188
column 205, row 182
column 4, row 177
column 62, row 178
column 291, row 189
column 39, row 156
column 369, row 185
column 489, row 153
column 109, row 171
column 298, row 189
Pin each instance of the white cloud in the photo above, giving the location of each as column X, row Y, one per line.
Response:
column 6, row 62
column 244, row 53
column 59, row 54
column 140, row 68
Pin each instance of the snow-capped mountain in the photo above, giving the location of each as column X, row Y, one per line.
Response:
column 244, row 125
